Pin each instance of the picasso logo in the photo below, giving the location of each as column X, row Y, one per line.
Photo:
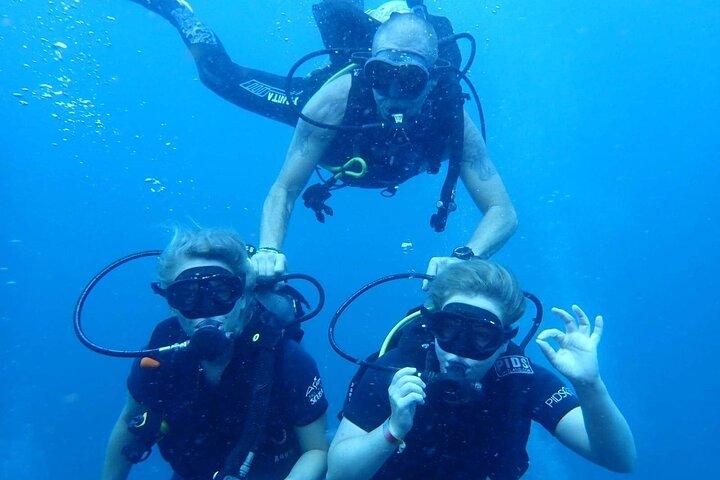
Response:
column 558, row 397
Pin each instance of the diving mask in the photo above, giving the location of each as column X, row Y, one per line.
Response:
column 398, row 74
column 203, row 292
column 468, row 331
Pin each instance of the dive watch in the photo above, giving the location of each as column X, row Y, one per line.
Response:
column 463, row 253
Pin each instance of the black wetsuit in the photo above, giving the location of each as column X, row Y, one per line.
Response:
column 205, row 421
column 259, row 91
column 484, row 439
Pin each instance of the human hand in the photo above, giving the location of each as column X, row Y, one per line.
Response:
column 436, row 265
column 268, row 264
column 406, row 392
column 576, row 357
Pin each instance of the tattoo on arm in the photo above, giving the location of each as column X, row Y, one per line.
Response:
column 484, row 168
column 475, row 156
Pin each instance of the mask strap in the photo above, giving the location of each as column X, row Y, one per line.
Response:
column 157, row 289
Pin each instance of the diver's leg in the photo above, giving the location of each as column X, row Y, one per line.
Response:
column 254, row 90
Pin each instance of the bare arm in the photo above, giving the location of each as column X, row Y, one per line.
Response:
column 597, row 430
column 313, row 462
column 356, row 454
column 486, row 188
column 116, row 466
column 307, row 148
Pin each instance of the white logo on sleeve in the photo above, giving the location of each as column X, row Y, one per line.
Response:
column 315, row 391
column 558, row 397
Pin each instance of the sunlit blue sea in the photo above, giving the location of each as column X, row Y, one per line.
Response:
column 602, row 119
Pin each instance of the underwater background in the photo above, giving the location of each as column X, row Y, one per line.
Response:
column 602, row 120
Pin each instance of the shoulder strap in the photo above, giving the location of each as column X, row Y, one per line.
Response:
column 315, row 197
column 446, row 204
column 266, row 336
column 240, row 460
column 360, row 104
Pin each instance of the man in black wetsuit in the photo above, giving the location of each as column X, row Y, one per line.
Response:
column 467, row 415
column 242, row 395
column 408, row 88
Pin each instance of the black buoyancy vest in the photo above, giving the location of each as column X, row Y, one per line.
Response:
column 393, row 156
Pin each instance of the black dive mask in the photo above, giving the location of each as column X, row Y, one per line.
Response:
column 397, row 74
column 452, row 387
column 203, row 292
column 468, row 331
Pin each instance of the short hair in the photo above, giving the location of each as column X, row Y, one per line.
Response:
column 222, row 245
column 480, row 277
column 417, row 29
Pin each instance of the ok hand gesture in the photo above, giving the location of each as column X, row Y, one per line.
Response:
column 576, row 357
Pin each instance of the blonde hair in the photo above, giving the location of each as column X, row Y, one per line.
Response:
column 480, row 277
column 222, row 245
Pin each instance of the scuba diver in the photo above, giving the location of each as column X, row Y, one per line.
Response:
column 372, row 118
column 229, row 393
column 453, row 397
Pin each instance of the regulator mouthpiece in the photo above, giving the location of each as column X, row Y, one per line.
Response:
column 453, row 387
column 210, row 341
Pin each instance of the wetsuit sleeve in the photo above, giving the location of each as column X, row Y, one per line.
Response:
column 305, row 399
column 367, row 402
column 550, row 398
column 143, row 383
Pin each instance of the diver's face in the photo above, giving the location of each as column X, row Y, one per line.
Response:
column 394, row 98
column 231, row 321
column 474, row 369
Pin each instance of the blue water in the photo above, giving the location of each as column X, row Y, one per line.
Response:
column 602, row 120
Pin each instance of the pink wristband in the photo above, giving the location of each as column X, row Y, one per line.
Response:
column 392, row 439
